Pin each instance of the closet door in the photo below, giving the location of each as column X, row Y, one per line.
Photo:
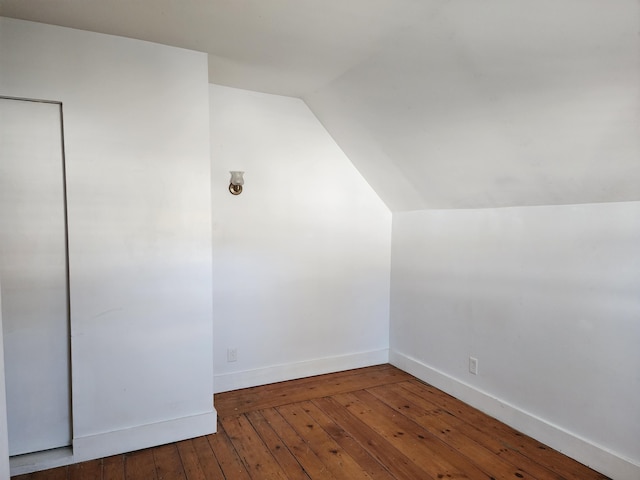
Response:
column 33, row 276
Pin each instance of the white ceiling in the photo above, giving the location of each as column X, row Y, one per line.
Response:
column 439, row 103
column 287, row 47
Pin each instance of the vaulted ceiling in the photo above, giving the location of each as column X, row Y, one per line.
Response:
column 438, row 103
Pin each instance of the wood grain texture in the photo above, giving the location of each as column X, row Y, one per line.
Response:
column 113, row 468
column 371, row 423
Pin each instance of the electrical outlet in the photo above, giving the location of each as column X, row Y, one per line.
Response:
column 232, row 354
column 473, row 365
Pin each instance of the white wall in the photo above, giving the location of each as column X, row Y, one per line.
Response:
column 302, row 256
column 138, row 178
column 547, row 299
column 4, row 439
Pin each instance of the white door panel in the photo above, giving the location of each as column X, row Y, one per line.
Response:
column 33, row 267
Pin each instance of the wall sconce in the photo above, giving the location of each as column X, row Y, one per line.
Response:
column 236, row 182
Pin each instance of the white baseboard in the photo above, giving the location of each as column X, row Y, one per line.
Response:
column 33, row 462
column 587, row 453
column 144, row 436
column 120, row 441
column 280, row 373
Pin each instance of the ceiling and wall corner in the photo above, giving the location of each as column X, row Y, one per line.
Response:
column 441, row 103
column 499, row 104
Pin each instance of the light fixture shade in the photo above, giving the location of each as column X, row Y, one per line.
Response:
column 236, row 182
column 236, row 178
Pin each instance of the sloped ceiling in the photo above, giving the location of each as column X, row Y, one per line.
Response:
column 438, row 103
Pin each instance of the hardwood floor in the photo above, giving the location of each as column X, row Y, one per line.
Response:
column 370, row 423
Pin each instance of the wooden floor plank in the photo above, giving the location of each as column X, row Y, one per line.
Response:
column 365, row 460
column 140, row 465
column 398, row 464
column 207, row 459
column 375, row 422
column 427, row 451
column 258, row 398
column 190, row 461
column 91, row 470
column 61, row 473
column 277, row 447
column 330, row 453
column 512, row 439
column 446, row 429
column 113, row 468
column 228, row 459
column 254, row 453
column 168, row 463
column 309, row 461
column 495, row 446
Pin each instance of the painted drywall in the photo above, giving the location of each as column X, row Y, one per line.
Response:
column 546, row 298
column 136, row 125
column 4, row 439
column 495, row 103
column 438, row 103
column 301, row 258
